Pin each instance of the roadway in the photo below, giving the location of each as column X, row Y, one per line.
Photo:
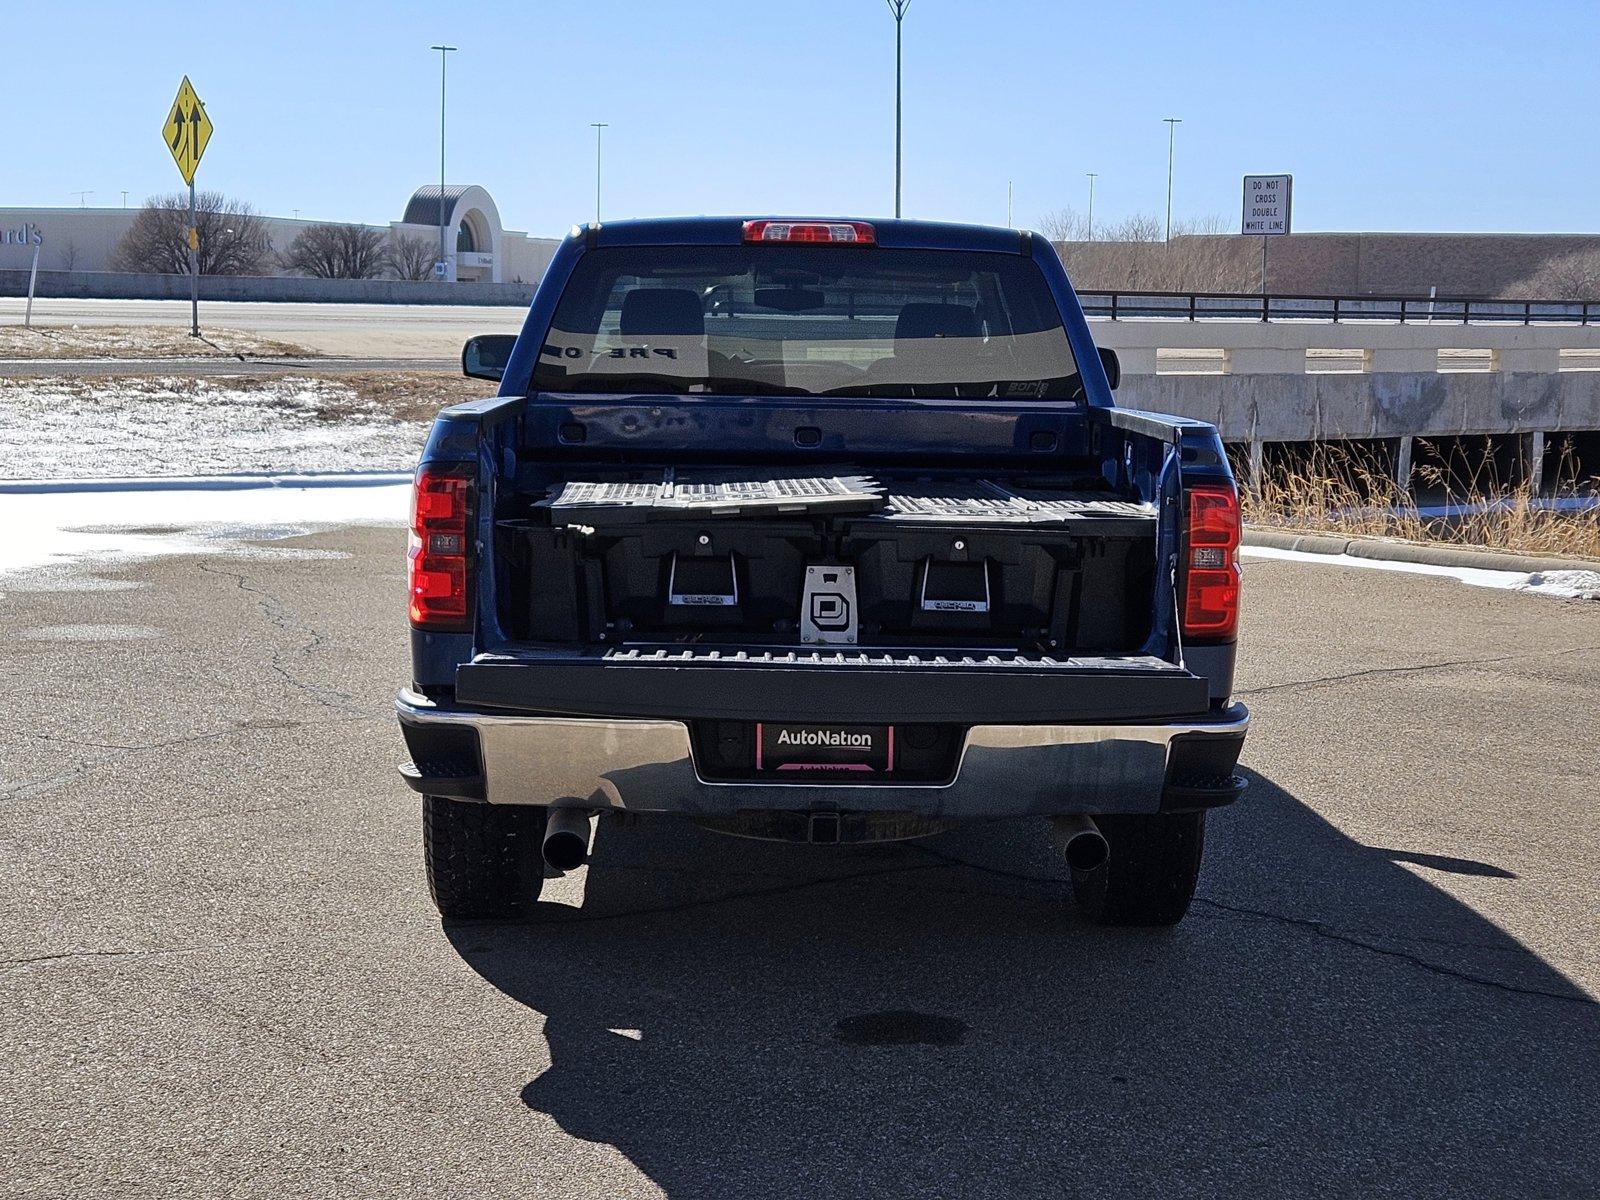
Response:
column 405, row 331
column 221, row 973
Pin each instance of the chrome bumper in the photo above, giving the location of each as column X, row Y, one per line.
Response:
column 648, row 765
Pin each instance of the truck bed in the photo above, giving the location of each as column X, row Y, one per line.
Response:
column 1033, row 565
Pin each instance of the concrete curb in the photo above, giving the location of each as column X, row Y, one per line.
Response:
column 1396, row 550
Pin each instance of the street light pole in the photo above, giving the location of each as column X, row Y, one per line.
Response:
column 444, row 252
column 597, row 126
column 898, row 8
column 81, row 195
column 1092, row 178
column 1172, row 132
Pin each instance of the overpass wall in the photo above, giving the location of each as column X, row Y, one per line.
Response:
column 121, row 285
column 1305, row 408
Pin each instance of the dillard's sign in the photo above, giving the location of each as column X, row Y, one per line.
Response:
column 29, row 235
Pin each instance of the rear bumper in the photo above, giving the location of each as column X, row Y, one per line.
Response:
column 648, row 765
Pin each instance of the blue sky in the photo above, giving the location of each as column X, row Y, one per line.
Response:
column 1472, row 115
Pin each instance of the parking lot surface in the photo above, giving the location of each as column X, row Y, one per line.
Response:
column 222, row 975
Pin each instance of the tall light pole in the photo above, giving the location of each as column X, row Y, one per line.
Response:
column 898, row 8
column 597, row 126
column 81, row 195
column 1092, row 177
column 124, row 197
column 444, row 251
column 1172, row 133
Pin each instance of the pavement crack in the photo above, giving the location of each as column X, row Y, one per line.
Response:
column 1411, row 669
column 284, row 617
column 67, row 955
column 1322, row 930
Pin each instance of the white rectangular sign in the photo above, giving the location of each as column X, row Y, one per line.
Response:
column 1266, row 204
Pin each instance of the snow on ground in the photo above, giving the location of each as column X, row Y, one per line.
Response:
column 49, row 531
column 1581, row 585
column 90, row 427
column 1570, row 585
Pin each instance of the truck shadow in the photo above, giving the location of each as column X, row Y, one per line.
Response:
column 746, row 1020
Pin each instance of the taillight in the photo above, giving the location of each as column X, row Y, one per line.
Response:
column 441, row 591
column 850, row 233
column 1211, row 563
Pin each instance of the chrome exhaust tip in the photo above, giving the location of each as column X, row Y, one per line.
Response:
column 1082, row 844
column 566, row 838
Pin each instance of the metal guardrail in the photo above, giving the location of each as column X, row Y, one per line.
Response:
column 1407, row 310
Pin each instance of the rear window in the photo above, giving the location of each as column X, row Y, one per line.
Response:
column 808, row 320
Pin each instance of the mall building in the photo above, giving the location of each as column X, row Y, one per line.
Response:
column 478, row 248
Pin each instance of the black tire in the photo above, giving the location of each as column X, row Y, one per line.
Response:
column 1151, row 874
column 483, row 859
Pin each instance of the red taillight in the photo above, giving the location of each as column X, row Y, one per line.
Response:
column 441, row 592
column 1211, row 563
column 848, row 233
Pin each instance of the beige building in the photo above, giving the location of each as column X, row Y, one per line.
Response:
column 477, row 248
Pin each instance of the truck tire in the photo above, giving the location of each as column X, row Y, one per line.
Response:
column 483, row 860
column 1151, row 874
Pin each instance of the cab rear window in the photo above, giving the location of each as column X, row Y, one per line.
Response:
column 808, row 320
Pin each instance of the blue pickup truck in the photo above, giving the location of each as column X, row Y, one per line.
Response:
column 818, row 530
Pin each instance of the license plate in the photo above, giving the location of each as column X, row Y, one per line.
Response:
column 822, row 747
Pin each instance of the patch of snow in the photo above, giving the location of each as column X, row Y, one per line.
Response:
column 1550, row 583
column 80, row 428
column 49, row 530
column 1569, row 585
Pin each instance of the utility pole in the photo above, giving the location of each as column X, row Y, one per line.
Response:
column 1172, row 133
column 124, row 197
column 898, row 8
column 597, row 126
column 1010, row 223
column 81, row 195
column 1092, row 178
column 444, row 251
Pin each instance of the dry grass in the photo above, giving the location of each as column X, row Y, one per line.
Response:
column 140, row 341
column 1348, row 492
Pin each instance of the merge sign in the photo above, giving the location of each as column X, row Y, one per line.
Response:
column 1266, row 204
column 187, row 130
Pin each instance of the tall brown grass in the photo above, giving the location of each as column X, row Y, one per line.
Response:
column 1350, row 491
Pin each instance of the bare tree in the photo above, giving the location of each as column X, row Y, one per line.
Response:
column 1130, row 254
column 1573, row 276
column 332, row 251
column 412, row 257
column 68, row 255
column 233, row 239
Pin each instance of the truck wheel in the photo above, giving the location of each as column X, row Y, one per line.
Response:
column 1149, row 878
column 483, row 859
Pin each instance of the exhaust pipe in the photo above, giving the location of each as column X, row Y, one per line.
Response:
column 1082, row 844
column 566, row 838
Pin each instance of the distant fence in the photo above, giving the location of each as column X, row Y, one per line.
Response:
column 120, row 285
column 1419, row 310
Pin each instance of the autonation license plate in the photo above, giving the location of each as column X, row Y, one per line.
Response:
column 810, row 747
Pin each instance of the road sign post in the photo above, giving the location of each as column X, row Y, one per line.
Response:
column 33, row 278
column 1268, row 205
column 187, row 132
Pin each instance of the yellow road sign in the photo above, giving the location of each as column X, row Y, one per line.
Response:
column 187, row 130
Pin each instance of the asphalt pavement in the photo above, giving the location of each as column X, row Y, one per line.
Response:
column 367, row 330
column 221, row 974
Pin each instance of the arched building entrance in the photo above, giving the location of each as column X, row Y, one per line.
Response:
column 474, row 253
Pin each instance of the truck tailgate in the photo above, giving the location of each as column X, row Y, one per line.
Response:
column 729, row 683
